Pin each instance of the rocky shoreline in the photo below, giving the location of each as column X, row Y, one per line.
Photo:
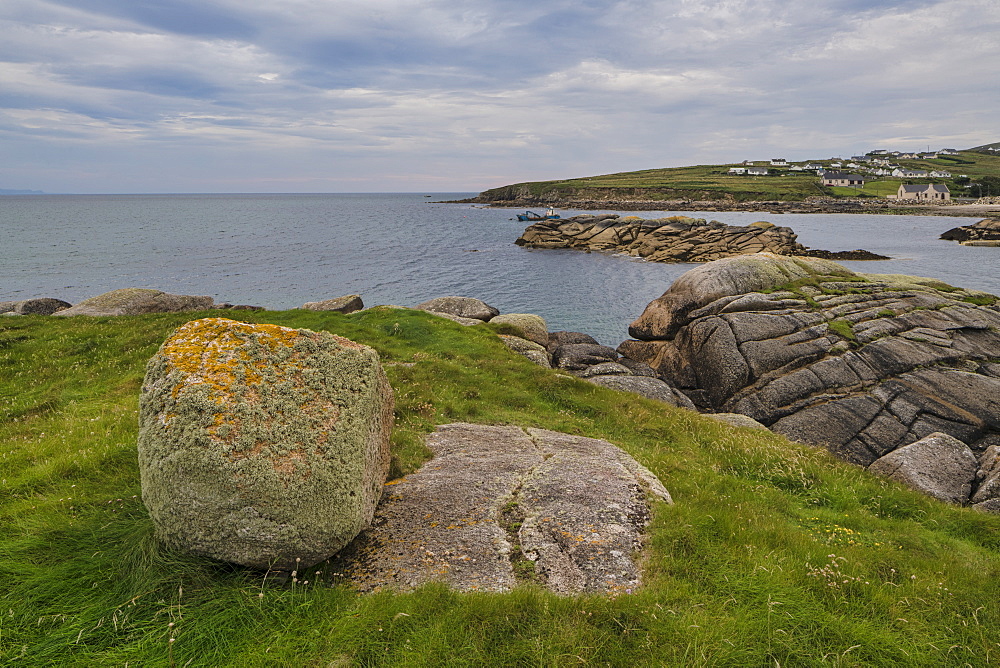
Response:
column 879, row 369
column 862, row 205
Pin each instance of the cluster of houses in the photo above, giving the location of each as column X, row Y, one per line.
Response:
column 874, row 163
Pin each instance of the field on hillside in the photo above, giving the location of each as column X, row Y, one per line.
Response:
column 706, row 182
column 774, row 554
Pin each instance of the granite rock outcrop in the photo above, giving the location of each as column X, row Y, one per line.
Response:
column 499, row 506
column 862, row 364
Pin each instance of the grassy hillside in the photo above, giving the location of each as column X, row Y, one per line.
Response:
column 712, row 182
column 774, row 553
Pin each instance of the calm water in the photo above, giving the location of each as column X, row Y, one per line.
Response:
column 280, row 251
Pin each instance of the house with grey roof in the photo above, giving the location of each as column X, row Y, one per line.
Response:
column 924, row 192
column 903, row 172
column 842, row 179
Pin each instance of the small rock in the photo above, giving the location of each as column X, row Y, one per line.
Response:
column 531, row 326
column 644, row 386
column 557, row 339
column 463, row 307
column 529, row 349
column 737, row 420
column 938, row 465
column 345, row 304
column 38, row 306
column 578, row 356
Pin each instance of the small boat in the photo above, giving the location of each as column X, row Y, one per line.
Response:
column 550, row 214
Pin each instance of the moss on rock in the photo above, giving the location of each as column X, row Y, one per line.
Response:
column 259, row 444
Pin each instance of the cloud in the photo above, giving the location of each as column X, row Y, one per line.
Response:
column 477, row 93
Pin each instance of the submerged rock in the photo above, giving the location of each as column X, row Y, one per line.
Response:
column 261, row 445
column 500, row 506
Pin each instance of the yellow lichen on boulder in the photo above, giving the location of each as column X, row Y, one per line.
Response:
column 261, row 444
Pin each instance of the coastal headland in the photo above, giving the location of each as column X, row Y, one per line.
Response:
column 965, row 183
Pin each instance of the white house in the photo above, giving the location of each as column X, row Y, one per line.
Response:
column 940, row 175
column 905, row 173
column 737, row 170
column 923, row 192
column 779, row 162
column 757, row 171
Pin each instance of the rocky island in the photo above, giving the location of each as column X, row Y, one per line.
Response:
column 673, row 239
column 984, row 233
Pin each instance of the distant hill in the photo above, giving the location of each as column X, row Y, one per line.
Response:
column 711, row 185
column 995, row 146
column 5, row 191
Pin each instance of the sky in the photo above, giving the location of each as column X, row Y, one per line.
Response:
column 159, row 96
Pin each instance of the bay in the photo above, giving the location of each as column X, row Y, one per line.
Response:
column 279, row 251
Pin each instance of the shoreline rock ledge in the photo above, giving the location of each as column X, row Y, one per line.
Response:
column 863, row 364
column 673, row 239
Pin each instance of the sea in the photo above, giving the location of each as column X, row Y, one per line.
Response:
column 281, row 250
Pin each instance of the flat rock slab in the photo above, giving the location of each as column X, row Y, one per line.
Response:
column 499, row 506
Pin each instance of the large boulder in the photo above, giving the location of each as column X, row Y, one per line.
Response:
column 136, row 301
column 345, row 304
column 462, row 307
column 261, row 445
column 937, row 465
column 500, row 506
column 860, row 363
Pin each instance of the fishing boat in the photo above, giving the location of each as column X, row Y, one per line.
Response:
column 550, row 214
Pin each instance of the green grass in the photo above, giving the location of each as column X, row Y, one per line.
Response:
column 773, row 554
column 712, row 182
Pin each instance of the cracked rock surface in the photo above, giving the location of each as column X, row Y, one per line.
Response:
column 673, row 239
column 863, row 364
column 501, row 505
